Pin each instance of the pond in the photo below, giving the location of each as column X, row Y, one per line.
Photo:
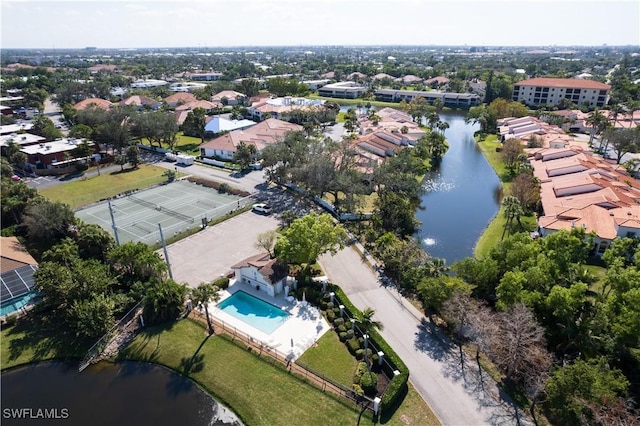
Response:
column 463, row 195
column 129, row 393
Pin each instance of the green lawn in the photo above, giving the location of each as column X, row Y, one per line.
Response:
column 229, row 372
column 35, row 339
column 260, row 392
column 330, row 358
column 95, row 188
column 493, row 232
column 187, row 144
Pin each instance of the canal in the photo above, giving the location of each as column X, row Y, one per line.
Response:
column 462, row 196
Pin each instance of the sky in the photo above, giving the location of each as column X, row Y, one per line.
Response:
column 227, row 23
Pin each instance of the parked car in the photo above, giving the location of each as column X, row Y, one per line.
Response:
column 261, row 208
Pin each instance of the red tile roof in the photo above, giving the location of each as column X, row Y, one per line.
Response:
column 93, row 102
column 564, row 82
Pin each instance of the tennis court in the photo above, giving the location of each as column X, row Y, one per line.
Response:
column 176, row 206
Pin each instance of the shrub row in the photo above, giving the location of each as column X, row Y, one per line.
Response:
column 397, row 388
column 222, row 283
column 222, row 187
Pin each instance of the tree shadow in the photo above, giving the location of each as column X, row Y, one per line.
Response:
column 428, row 340
column 45, row 336
column 195, row 363
column 123, row 171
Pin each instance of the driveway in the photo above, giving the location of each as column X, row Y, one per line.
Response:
column 204, row 256
column 454, row 390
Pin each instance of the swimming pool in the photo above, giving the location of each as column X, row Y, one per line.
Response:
column 253, row 311
column 17, row 303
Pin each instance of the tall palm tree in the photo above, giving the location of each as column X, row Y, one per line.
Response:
column 442, row 126
column 204, row 293
column 598, row 122
column 512, row 210
column 367, row 322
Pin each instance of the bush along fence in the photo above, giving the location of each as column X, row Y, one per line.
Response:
column 380, row 373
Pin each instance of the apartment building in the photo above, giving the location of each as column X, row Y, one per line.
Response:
column 551, row 91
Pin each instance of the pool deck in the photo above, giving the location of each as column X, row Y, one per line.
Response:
column 297, row 334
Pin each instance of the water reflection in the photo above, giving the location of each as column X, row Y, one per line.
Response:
column 129, row 393
column 463, row 195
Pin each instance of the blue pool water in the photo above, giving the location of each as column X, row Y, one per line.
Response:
column 13, row 305
column 255, row 312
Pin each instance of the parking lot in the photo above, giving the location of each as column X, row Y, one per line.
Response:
column 205, row 256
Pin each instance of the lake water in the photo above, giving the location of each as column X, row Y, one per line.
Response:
column 129, row 393
column 463, row 195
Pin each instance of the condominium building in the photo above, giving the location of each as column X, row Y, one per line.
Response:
column 551, row 91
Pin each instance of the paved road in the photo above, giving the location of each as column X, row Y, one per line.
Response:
column 455, row 391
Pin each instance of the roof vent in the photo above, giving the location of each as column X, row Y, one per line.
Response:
column 629, row 212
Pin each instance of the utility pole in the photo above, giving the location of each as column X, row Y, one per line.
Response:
column 113, row 223
column 166, row 254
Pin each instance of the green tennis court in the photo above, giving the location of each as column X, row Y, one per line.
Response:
column 176, row 206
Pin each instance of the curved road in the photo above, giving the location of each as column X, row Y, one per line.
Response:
column 454, row 390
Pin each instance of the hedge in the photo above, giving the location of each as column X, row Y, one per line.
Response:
column 397, row 388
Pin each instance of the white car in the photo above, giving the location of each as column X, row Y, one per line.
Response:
column 261, row 208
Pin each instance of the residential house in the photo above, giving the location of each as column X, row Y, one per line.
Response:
column 583, row 190
column 205, row 105
column 141, row 102
column 15, row 128
column 93, row 103
column 280, row 108
column 342, row 90
column 218, row 124
column 410, row 79
column 179, row 99
column 381, row 143
column 263, row 272
column 436, row 82
column 17, row 267
column 552, row 91
column 229, row 97
column 262, row 134
column 392, row 121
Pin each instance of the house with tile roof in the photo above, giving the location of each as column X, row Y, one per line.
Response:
column 391, row 121
column 552, row 91
column 141, row 102
column 281, row 108
column 179, row 98
column 586, row 191
column 229, row 97
column 263, row 272
column 93, row 103
column 261, row 135
column 205, row 105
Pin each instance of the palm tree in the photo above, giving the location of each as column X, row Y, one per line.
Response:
column 512, row 210
column 204, row 293
column 437, row 267
column 442, row 126
column 598, row 122
column 367, row 322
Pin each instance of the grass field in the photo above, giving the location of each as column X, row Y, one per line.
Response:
column 259, row 392
column 494, row 231
column 330, row 358
column 187, row 144
column 33, row 340
column 85, row 191
column 355, row 102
